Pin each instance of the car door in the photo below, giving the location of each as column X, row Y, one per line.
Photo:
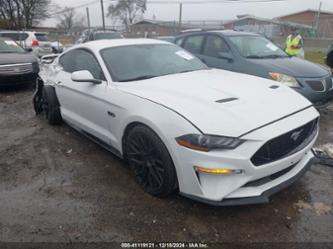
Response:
column 217, row 54
column 83, row 104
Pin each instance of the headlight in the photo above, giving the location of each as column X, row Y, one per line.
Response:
column 285, row 79
column 208, row 142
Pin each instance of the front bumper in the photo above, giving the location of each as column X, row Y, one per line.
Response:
column 239, row 189
column 261, row 199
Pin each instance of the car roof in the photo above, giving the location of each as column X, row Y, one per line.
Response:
column 101, row 44
column 104, row 31
column 226, row 32
column 12, row 31
column 21, row 32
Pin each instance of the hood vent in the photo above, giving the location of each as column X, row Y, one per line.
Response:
column 226, row 100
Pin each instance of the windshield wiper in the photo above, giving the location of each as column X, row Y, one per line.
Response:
column 272, row 56
column 143, row 77
column 192, row 70
column 254, row 57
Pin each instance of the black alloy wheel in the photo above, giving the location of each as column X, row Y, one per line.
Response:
column 150, row 160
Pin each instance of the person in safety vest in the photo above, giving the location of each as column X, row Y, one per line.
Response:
column 294, row 44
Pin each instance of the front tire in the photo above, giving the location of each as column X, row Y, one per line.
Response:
column 51, row 106
column 151, row 162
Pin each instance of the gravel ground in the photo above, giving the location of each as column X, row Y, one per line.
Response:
column 57, row 186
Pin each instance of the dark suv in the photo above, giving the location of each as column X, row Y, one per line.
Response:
column 17, row 66
column 254, row 54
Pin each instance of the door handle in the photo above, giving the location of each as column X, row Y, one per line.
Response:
column 59, row 82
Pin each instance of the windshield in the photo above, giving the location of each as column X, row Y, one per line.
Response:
column 9, row 46
column 256, row 47
column 111, row 35
column 139, row 62
column 41, row 37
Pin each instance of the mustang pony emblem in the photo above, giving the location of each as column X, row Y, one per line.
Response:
column 296, row 135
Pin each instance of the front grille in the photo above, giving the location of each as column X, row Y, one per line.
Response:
column 16, row 69
column 329, row 83
column 316, row 85
column 285, row 144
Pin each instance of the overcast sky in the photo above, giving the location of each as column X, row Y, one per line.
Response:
column 207, row 11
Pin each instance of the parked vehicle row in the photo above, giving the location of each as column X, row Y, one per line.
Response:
column 216, row 136
column 224, row 137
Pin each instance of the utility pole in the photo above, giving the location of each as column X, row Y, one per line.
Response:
column 88, row 18
column 318, row 17
column 103, row 18
column 180, row 16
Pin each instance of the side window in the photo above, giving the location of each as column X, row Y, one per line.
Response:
column 84, row 60
column 79, row 59
column 179, row 41
column 215, row 45
column 66, row 61
column 193, row 44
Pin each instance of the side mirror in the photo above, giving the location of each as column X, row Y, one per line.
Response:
column 28, row 49
column 84, row 76
column 225, row 55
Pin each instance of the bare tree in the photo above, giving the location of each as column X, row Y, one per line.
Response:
column 128, row 11
column 23, row 13
column 34, row 11
column 7, row 13
column 70, row 21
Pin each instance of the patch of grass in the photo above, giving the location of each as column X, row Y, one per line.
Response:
column 316, row 57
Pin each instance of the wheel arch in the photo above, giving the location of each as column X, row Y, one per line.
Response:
column 129, row 127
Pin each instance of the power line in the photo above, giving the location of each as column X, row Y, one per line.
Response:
column 172, row 2
column 205, row 2
column 74, row 7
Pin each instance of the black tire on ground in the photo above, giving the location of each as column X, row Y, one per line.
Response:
column 150, row 161
column 37, row 99
column 51, row 106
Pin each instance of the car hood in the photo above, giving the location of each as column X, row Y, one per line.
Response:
column 202, row 98
column 292, row 66
column 14, row 58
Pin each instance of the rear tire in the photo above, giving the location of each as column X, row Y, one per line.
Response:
column 151, row 162
column 51, row 106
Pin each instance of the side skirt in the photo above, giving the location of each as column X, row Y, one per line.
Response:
column 96, row 140
column 102, row 143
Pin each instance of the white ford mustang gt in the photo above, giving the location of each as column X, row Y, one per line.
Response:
column 220, row 137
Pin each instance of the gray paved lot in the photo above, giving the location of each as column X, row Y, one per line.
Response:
column 56, row 185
